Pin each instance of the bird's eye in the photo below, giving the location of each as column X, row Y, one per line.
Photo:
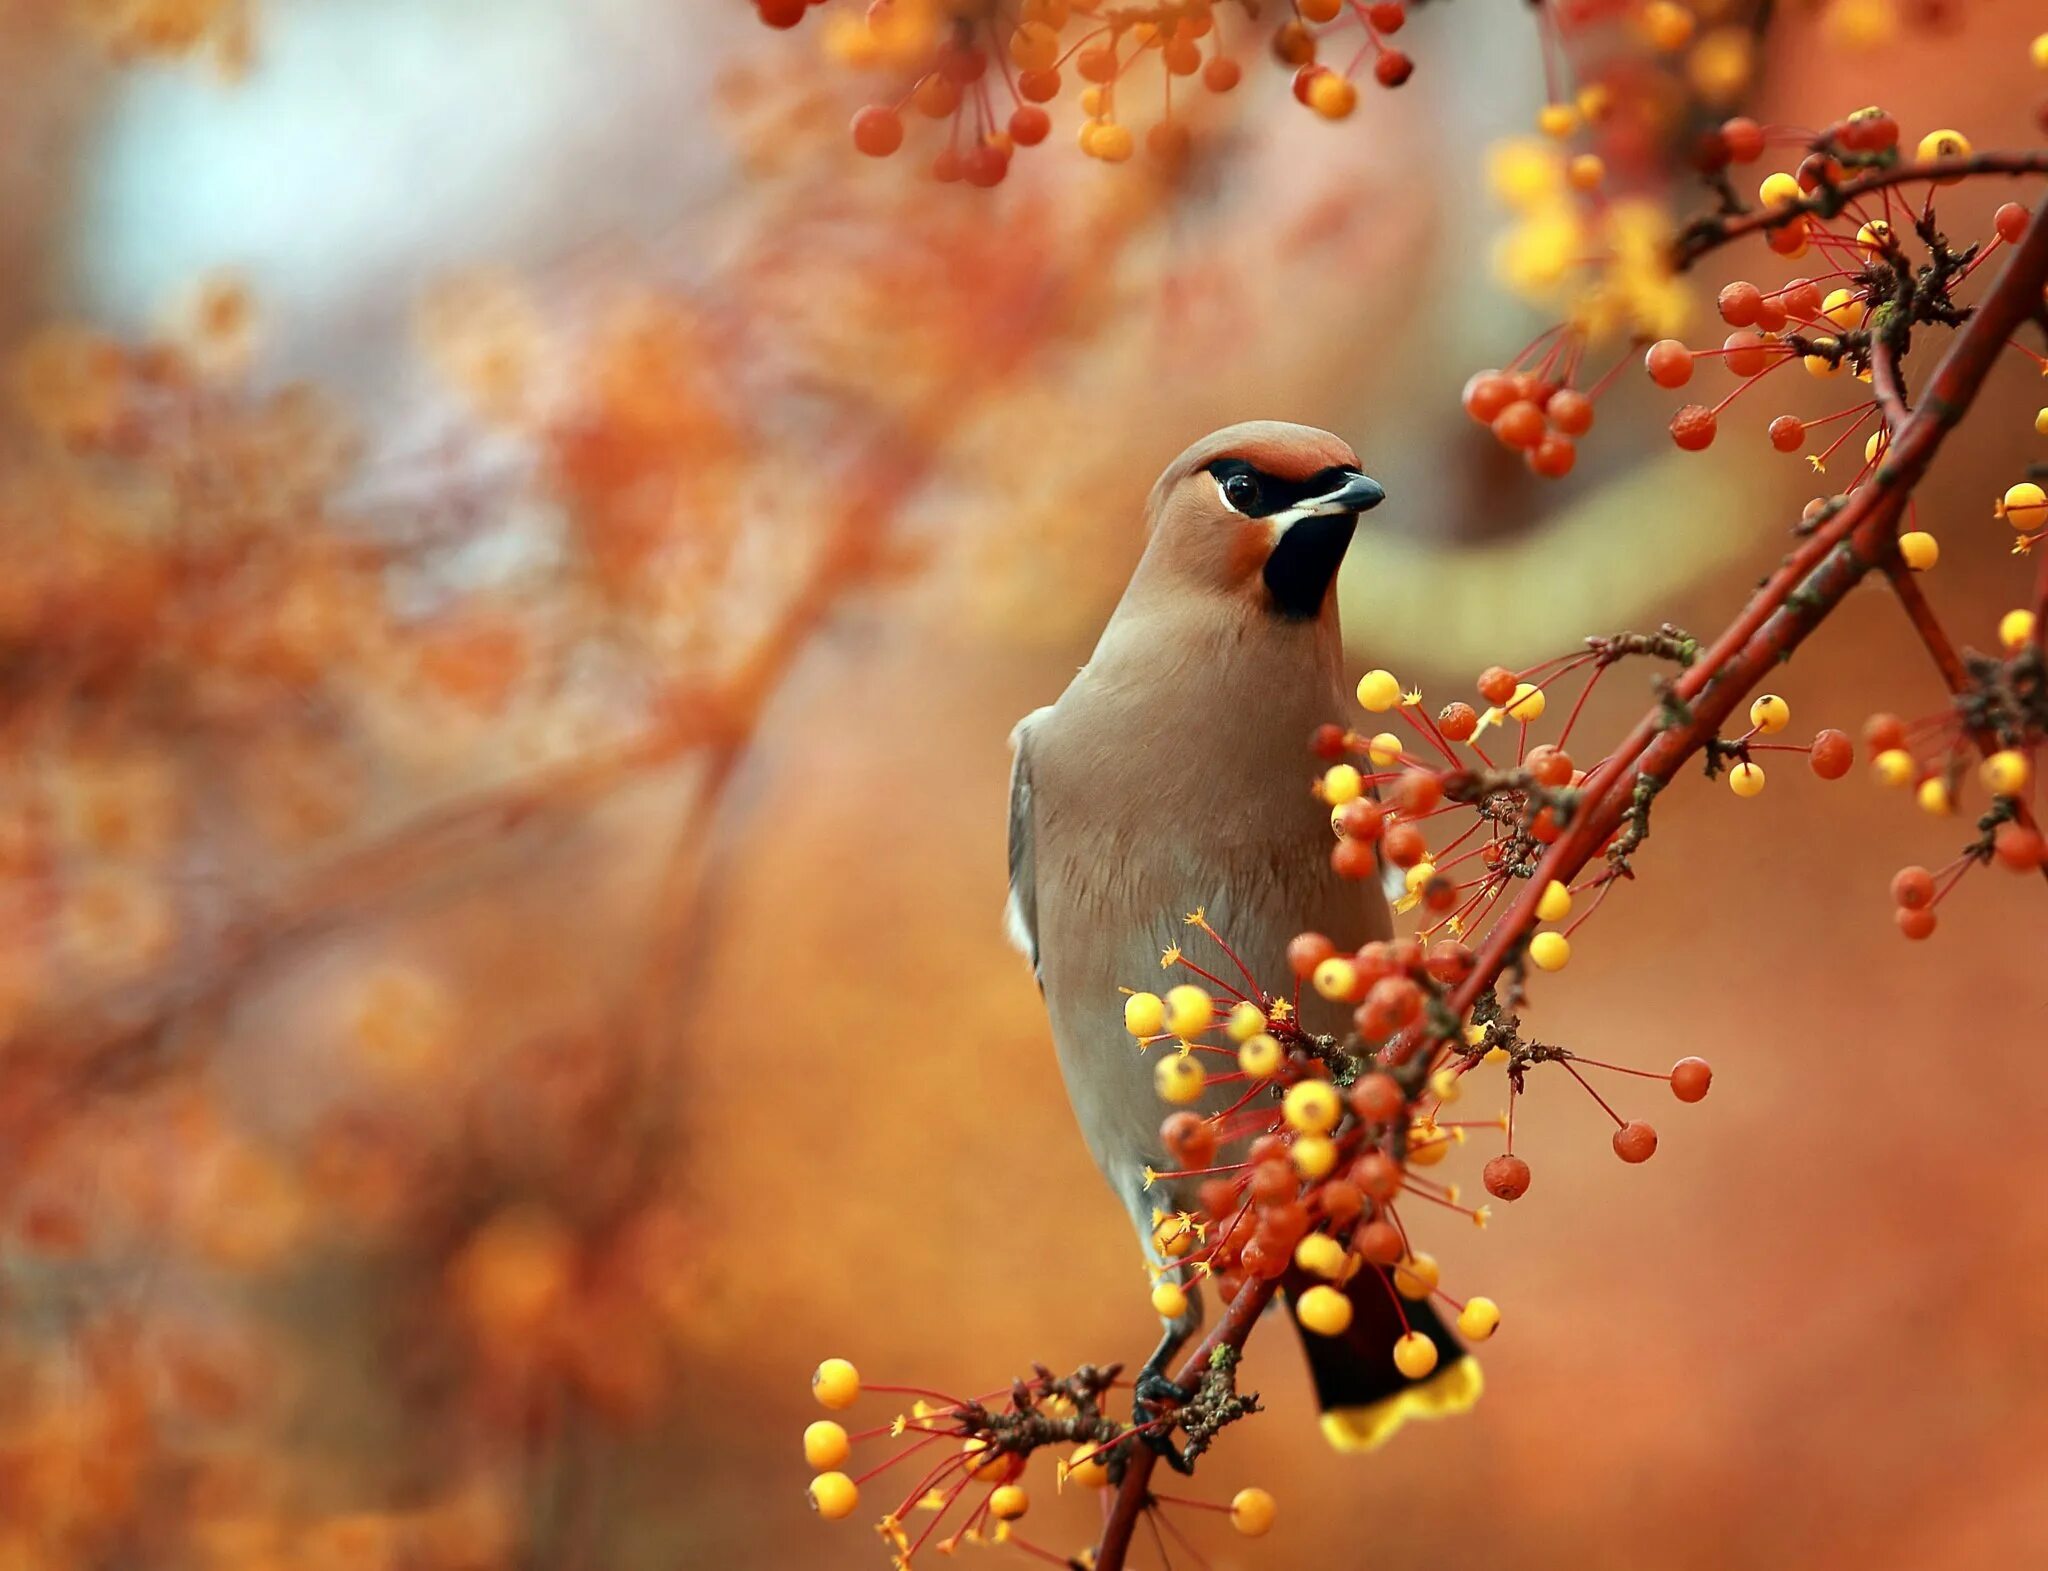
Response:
column 1241, row 491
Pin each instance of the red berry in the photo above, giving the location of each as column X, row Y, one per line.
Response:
column 1342, row 1202
column 1506, row 1177
column 1449, row 961
column 1189, row 1137
column 1327, row 743
column 1305, row 78
column 1394, row 1004
column 1745, row 139
column 1404, row 845
column 1272, row 1182
column 1387, row 15
column 1363, row 819
column 1553, row 457
column 1392, row 68
column 1417, row 791
column 780, row 13
column 1692, row 428
column 987, row 165
column 2011, row 222
column 1380, row 1244
column 1029, row 125
column 1916, row 925
column 1740, row 302
column 878, row 130
column 2019, row 847
column 1354, row 859
column 1570, row 412
column 1816, row 170
column 1746, row 353
column 948, row 166
column 1801, row 297
column 1690, row 1078
column 1519, row 425
column 1635, row 1141
column 1376, row 1099
column 1040, row 87
column 1486, row 394
column 1266, row 1261
column 1832, row 754
column 1306, row 951
column 1788, row 433
column 1497, row 684
column 1882, row 733
column 963, row 64
column 1669, row 363
column 1459, row 721
column 1221, row 74
column 1770, row 314
column 1912, row 888
column 1552, row 766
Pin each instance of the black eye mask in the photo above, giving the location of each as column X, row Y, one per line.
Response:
column 1272, row 494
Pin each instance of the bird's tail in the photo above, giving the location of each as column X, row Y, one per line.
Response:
column 1364, row 1397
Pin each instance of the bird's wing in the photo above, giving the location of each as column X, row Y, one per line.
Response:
column 1021, row 915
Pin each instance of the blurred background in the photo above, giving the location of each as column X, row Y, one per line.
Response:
column 519, row 554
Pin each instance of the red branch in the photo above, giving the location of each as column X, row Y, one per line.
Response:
column 1861, row 535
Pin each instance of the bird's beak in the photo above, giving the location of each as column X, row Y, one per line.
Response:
column 1312, row 538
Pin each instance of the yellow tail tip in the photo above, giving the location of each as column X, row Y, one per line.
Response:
column 1452, row 1389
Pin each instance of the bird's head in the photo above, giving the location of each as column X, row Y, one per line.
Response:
column 1262, row 509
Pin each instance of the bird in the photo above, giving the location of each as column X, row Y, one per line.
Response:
column 1168, row 778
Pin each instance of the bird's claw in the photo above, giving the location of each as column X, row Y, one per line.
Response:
column 1151, row 1391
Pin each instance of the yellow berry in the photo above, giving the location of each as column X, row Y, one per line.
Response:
column 1261, row 1056
column 825, row 1445
column 1919, row 550
column 1479, row 1319
column 835, row 1383
column 1008, row 1502
column 1379, row 691
column 1179, row 1079
column 2041, row 421
column 1085, row 1467
column 1427, row 1144
column 992, row 1466
column 1415, row 1355
column 1313, row 1107
column 1893, row 767
column 1550, row 951
column 1112, row 143
column 1335, row 978
column 1746, row 779
column 1332, row 96
column 1170, row 1299
column 1251, row 1512
column 1324, row 1310
column 1934, row 797
column 1820, row 365
column 1418, row 875
column 834, row 1495
column 1874, row 446
column 1844, row 308
column 1189, row 1010
column 1555, row 904
column 1944, row 144
column 1172, row 1237
column 1558, row 120
column 1384, row 749
column 1319, row 10
column 1527, row 704
column 1770, row 714
column 1320, row 1255
column 2005, row 773
column 1586, row 171
column 2026, row 506
column 1313, row 1156
column 1667, row 25
column 2016, row 629
column 2037, row 51
column 1342, row 783
column 1779, row 190
column 1246, row 1021
column 1875, row 235
column 1144, row 1014
column 1416, row 1277
column 1447, row 1084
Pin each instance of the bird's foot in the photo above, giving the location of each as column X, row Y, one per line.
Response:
column 1152, row 1391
